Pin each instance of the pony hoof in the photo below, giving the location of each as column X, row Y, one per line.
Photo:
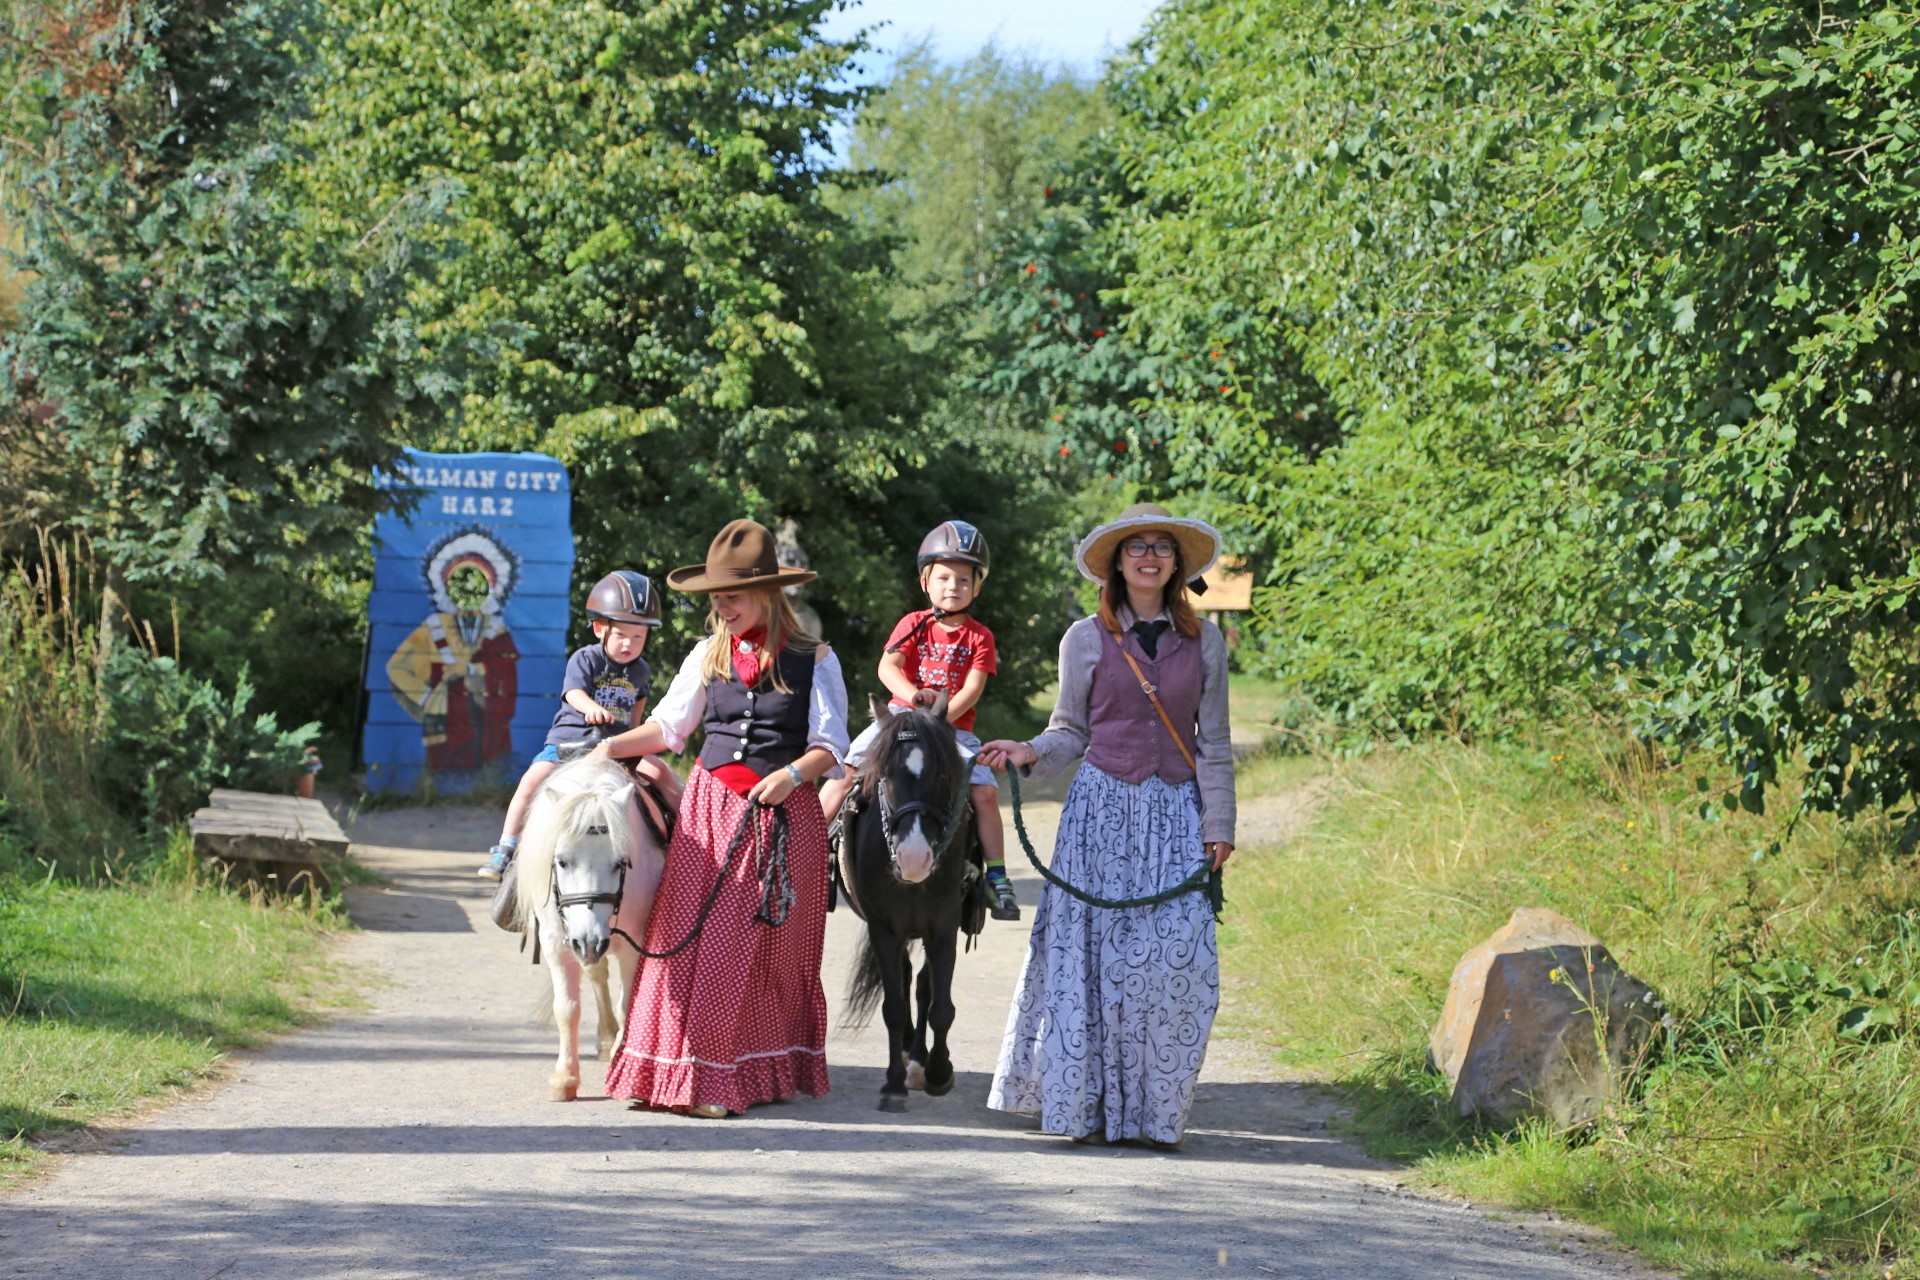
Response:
column 940, row 1086
column 562, row 1091
column 893, row 1102
column 916, row 1076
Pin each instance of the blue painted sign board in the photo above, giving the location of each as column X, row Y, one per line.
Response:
column 468, row 619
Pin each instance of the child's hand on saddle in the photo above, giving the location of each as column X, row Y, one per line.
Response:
column 1001, row 752
column 599, row 715
column 925, row 698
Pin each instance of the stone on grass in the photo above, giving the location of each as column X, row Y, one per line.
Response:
column 1519, row 1038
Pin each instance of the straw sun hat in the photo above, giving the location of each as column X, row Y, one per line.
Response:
column 1199, row 542
column 741, row 558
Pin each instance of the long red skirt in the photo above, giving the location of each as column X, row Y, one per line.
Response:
column 738, row 1017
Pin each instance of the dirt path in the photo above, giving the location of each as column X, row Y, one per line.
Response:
column 416, row 1141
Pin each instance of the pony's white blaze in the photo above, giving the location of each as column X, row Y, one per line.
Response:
column 914, row 852
column 916, row 762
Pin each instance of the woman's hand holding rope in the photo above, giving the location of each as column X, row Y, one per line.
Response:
column 1002, row 752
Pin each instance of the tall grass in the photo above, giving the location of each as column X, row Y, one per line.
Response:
column 52, row 811
column 1779, row 1128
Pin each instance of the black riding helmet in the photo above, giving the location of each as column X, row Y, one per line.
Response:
column 955, row 540
column 625, row 596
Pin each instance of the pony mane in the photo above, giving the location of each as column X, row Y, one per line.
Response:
column 579, row 797
column 932, row 732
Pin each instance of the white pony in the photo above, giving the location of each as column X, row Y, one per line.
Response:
column 587, row 865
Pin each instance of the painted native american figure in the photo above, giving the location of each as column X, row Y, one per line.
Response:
column 457, row 673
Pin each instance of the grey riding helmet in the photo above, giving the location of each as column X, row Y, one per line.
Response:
column 625, row 596
column 955, row 540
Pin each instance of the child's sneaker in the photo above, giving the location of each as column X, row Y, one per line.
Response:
column 496, row 864
column 1005, row 905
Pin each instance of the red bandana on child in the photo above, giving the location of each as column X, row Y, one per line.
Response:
column 746, row 655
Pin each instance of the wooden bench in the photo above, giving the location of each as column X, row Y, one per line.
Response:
column 274, row 838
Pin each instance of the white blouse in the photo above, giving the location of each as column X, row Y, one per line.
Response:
column 680, row 712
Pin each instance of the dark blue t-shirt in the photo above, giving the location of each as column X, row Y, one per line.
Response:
column 614, row 685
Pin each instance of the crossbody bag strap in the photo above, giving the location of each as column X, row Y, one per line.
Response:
column 1146, row 687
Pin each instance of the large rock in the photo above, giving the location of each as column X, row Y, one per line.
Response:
column 1519, row 1037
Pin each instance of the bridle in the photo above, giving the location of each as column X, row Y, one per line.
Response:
column 610, row 897
column 891, row 816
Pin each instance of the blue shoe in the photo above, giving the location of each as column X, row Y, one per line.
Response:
column 1005, row 905
column 496, row 865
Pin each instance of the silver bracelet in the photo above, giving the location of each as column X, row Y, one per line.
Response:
column 799, row 778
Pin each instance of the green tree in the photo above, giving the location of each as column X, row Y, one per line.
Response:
column 641, row 277
column 223, row 375
column 967, row 160
column 1611, row 309
column 647, row 276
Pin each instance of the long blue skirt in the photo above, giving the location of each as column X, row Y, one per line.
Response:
column 1109, row 1024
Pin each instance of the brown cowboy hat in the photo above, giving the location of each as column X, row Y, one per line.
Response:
column 742, row 558
column 1199, row 542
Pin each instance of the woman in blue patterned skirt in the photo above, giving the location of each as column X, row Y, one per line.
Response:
column 1110, row 1021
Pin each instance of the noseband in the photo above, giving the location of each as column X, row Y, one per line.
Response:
column 890, row 816
column 565, row 900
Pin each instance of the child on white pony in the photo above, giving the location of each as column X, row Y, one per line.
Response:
column 605, row 690
column 585, row 887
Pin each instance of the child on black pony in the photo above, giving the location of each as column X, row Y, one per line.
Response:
column 944, row 650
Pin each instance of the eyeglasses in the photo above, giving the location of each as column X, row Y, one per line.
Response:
column 1140, row 548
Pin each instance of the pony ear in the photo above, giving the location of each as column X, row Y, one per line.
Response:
column 939, row 708
column 624, row 796
column 877, row 705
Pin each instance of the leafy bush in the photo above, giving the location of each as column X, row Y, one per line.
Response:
column 170, row 738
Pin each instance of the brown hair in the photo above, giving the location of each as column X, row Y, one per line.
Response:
column 1173, row 598
column 784, row 630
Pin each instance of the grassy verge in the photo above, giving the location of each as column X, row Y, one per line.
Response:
column 111, row 997
column 1779, row 1130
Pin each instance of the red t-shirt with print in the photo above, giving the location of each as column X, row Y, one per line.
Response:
column 939, row 658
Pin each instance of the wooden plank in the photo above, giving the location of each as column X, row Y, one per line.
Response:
column 309, row 815
column 254, row 826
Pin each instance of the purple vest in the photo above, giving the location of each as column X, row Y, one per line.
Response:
column 1126, row 736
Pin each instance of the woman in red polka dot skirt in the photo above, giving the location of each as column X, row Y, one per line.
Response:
column 736, row 1015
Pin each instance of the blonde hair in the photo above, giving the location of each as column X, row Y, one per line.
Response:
column 1174, row 598
column 784, row 630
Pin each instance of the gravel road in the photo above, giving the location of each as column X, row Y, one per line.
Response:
column 415, row 1140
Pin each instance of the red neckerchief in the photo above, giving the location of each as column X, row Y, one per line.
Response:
column 745, row 651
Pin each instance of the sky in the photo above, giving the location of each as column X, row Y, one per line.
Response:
column 1077, row 32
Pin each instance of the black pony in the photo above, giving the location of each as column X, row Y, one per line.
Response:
column 911, row 802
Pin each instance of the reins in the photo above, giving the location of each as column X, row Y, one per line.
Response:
column 776, row 883
column 1205, row 878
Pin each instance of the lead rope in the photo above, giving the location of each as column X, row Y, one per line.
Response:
column 1205, row 879
column 776, row 886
